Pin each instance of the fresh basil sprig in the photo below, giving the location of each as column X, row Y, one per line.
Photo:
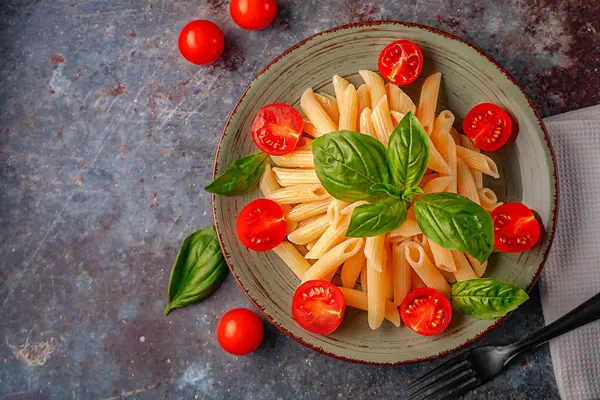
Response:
column 408, row 152
column 487, row 298
column 456, row 223
column 376, row 219
column 242, row 175
column 198, row 270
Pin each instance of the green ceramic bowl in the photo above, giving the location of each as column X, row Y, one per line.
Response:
column 527, row 168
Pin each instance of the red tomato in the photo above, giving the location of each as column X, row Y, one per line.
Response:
column 318, row 306
column 240, row 331
column 426, row 311
column 515, row 228
column 277, row 128
column 488, row 126
column 261, row 225
column 201, row 42
column 401, row 62
column 253, row 14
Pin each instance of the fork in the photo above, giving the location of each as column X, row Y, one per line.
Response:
column 475, row 367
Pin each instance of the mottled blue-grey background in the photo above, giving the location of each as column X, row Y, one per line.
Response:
column 107, row 138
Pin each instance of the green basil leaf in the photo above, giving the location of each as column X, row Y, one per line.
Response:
column 456, row 223
column 389, row 190
column 487, row 298
column 408, row 152
column 242, row 175
column 348, row 164
column 376, row 219
column 198, row 270
column 409, row 193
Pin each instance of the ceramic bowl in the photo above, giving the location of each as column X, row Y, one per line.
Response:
column 527, row 169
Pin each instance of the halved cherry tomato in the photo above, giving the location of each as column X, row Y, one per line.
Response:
column 426, row 311
column 240, row 331
column 401, row 62
column 488, row 126
column 318, row 306
column 253, row 14
column 201, row 42
column 277, row 128
column 515, row 228
column 261, row 225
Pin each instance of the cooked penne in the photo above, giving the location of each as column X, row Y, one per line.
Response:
column 364, row 100
column 292, row 176
column 363, row 277
column 366, row 124
column 331, row 260
column 330, row 105
column 309, row 128
column 309, row 246
column 375, row 84
column 292, row 258
column 389, row 273
column 334, row 211
column 491, row 207
column 348, row 210
column 456, row 136
column 382, row 122
column 449, row 276
column 466, row 182
column 487, row 196
column 351, row 269
column 396, row 116
column 438, row 185
column 268, row 182
column 329, row 276
column 399, row 101
column 332, row 236
column 478, row 268
column 299, row 194
column 305, row 143
column 477, row 161
column 295, row 159
column 375, row 294
column 464, row 272
column 442, row 257
column 401, row 273
column 304, row 211
column 436, row 161
column 316, row 113
column 444, row 142
column 375, row 251
column 418, row 260
column 469, row 145
column 415, row 280
column 339, row 86
column 358, row 299
column 408, row 228
column 427, row 178
column 349, row 110
column 309, row 231
column 428, row 101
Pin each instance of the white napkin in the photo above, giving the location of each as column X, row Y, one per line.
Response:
column 572, row 271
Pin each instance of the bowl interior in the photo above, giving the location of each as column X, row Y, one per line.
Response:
column 469, row 77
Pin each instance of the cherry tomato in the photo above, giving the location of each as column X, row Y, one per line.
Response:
column 261, row 225
column 201, row 42
column 240, row 331
column 400, row 62
column 253, row 14
column 277, row 128
column 515, row 228
column 426, row 311
column 318, row 306
column 488, row 126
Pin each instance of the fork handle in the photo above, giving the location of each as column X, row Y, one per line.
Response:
column 582, row 315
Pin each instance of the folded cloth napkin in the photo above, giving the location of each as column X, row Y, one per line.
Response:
column 572, row 271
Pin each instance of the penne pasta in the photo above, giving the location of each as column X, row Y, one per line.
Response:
column 438, row 185
column 408, row 228
column 399, row 101
column 295, row 159
column 268, row 182
column 469, row 145
column 348, row 210
column 292, row 258
column 487, row 196
column 428, row 101
column 375, row 251
column 349, row 110
column 418, row 260
column 309, row 246
column 466, row 182
column 364, row 100
column 382, row 122
column 449, row 276
column 351, row 269
column 455, row 135
column 291, row 177
column 334, row 211
column 376, row 86
column 358, row 299
column 401, row 273
column 375, row 295
column 389, row 273
column 464, row 272
column 309, row 231
column 309, row 128
column 363, row 277
column 415, row 280
column 299, row 194
column 329, row 276
column 436, row 161
column 316, row 113
column 477, row 161
column 339, row 86
column 442, row 257
column 491, row 207
column 305, row 143
column 331, row 260
column 330, row 106
column 427, row 178
column 332, row 236
column 396, row 116
column 366, row 124
column 304, row 211
column 444, row 142
column 478, row 268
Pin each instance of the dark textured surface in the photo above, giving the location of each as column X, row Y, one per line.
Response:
column 107, row 138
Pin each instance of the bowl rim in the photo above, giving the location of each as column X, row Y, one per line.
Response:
column 554, row 211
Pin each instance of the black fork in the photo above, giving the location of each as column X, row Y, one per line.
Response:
column 473, row 368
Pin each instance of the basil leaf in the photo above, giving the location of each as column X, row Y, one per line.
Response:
column 487, row 298
column 409, row 193
column 456, row 223
column 348, row 164
column 242, row 175
column 376, row 219
column 389, row 190
column 408, row 152
column 198, row 270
